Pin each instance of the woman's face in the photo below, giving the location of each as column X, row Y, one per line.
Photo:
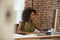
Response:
column 32, row 16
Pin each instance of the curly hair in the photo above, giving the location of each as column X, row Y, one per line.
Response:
column 26, row 14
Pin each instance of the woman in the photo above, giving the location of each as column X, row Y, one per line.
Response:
column 27, row 26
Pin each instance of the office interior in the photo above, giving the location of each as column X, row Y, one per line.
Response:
column 11, row 14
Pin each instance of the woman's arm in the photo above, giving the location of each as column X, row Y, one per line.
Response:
column 38, row 28
column 21, row 32
column 19, row 27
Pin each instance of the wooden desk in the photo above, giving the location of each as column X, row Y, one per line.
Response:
column 39, row 37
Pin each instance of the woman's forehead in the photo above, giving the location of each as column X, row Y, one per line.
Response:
column 33, row 13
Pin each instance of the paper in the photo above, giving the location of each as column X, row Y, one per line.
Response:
column 24, row 36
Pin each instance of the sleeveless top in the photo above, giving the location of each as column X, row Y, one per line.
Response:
column 31, row 28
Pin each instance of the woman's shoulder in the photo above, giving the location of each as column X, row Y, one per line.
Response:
column 20, row 21
column 23, row 23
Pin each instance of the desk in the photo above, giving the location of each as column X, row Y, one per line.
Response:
column 37, row 37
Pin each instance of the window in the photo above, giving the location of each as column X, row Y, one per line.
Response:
column 19, row 7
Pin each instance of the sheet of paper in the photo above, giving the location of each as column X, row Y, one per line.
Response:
column 24, row 36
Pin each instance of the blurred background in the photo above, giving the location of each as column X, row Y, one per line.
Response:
column 11, row 11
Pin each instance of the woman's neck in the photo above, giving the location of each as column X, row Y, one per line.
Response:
column 29, row 21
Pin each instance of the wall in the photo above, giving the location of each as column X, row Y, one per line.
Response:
column 7, row 27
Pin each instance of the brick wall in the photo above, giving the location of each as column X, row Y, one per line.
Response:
column 46, row 12
column 27, row 3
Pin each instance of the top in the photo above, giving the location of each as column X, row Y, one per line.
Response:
column 27, row 28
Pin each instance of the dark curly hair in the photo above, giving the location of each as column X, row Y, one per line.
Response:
column 26, row 14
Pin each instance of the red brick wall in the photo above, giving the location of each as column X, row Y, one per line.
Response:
column 27, row 3
column 45, row 10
